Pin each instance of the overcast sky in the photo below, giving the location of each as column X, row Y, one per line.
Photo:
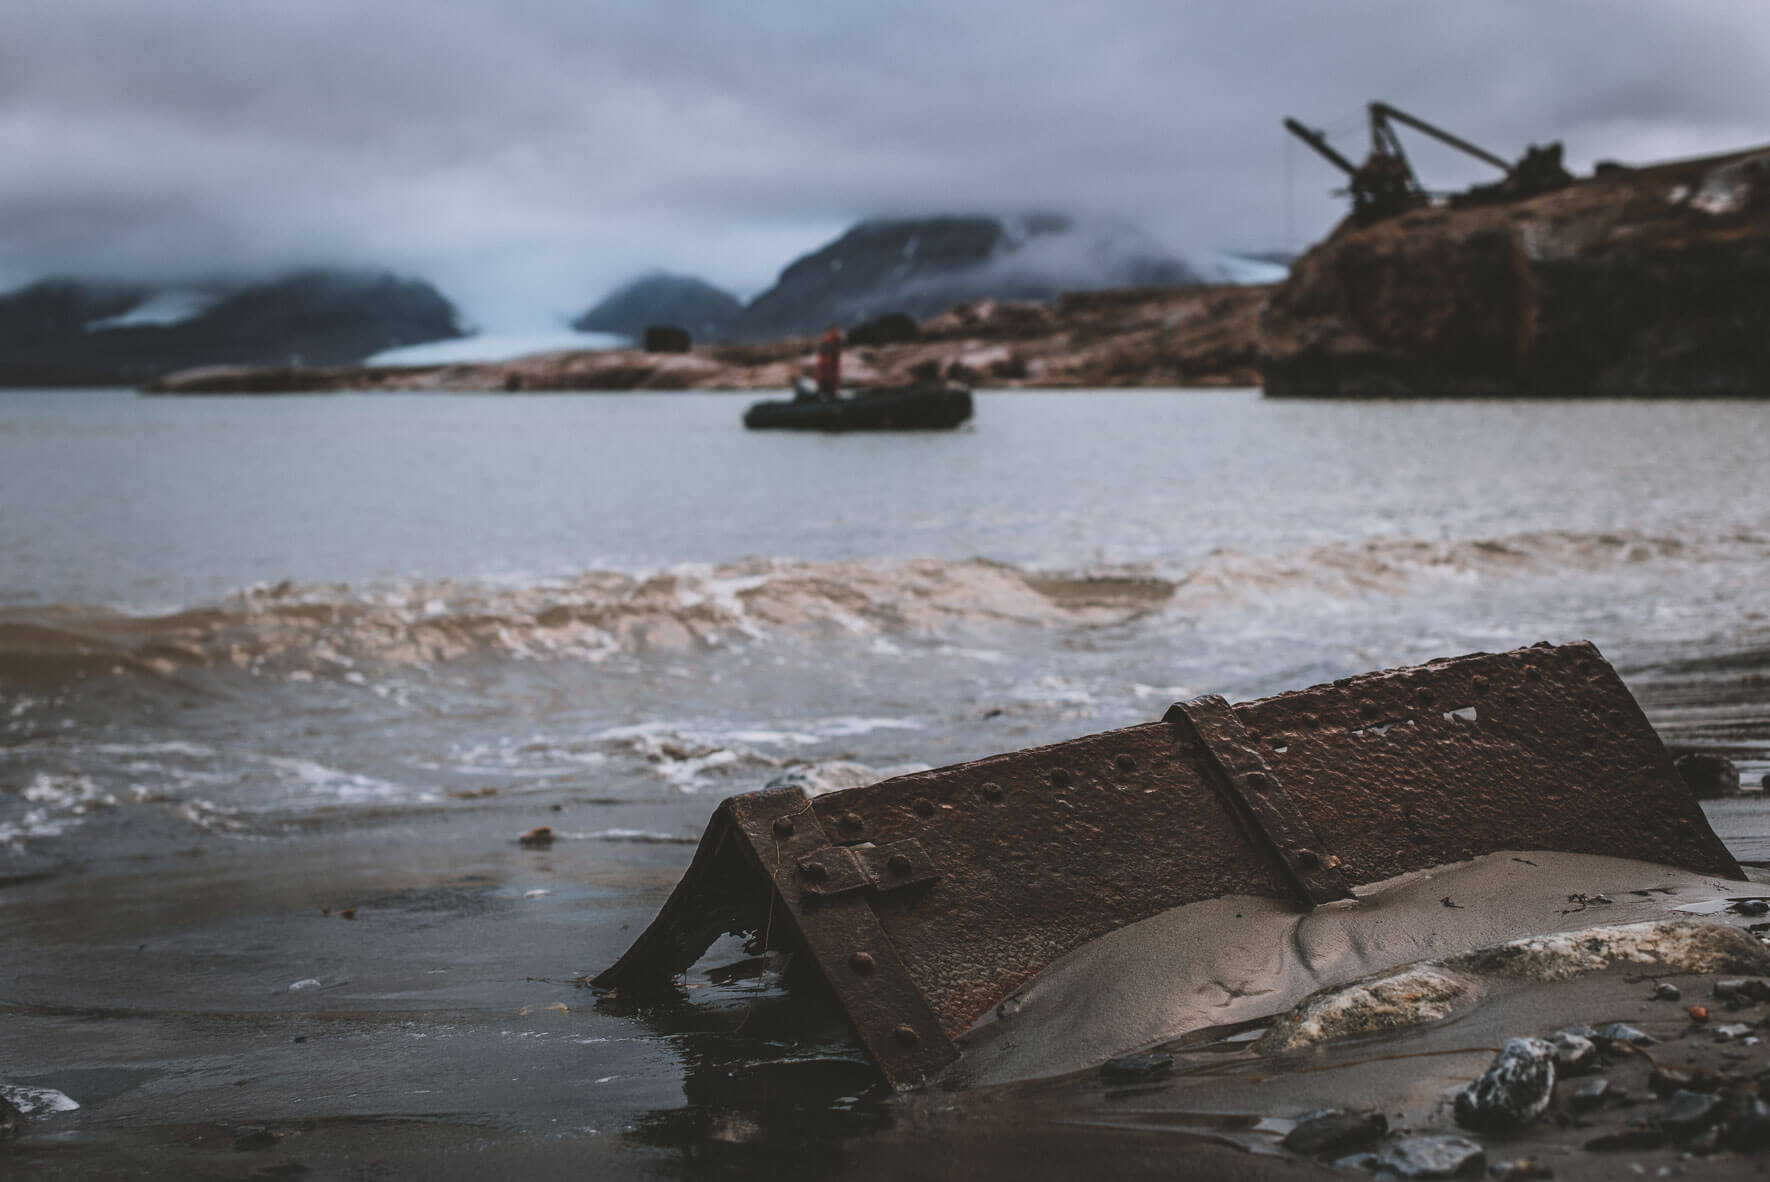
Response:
column 525, row 155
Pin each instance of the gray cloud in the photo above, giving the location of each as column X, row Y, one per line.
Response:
column 526, row 154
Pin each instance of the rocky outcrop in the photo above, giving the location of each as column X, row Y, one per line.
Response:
column 1652, row 281
column 69, row 332
column 705, row 311
column 1181, row 336
column 920, row 266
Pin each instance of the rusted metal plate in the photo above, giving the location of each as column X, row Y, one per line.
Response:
column 927, row 899
column 1209, row 725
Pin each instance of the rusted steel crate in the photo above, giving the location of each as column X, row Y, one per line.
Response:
column 927, row 899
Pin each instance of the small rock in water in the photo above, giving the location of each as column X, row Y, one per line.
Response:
column 1708, row 776
column 1589, row 1095
column 304, row 983
column 11, row 1119
column 1750, row 906
column 1666, row 991
column 1574, row 1055
column 538, row 838
column 1513, row 1091
column 1335, row 1133
column 1624, row 1033
column 1731, row 1031
column 1698, row 1013
column 1439, row 1156
column 1137, row 1068
column 1519, row 1169
column 1687, row 1112
column 1356, row 1161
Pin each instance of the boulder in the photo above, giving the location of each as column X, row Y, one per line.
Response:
column 1335, row 1133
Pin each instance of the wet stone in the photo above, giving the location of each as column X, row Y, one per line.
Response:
column 1579, row 1030
column 1687, row 1112
column 11, row 1119
column 1574, row 1054
column 1356, row 1161
column 1666, row 991
column 1437, row 1156
column 1705, row 1142
column 1708, row 776
column 1335, row 1133
column 1731, row 1031
column 1137, row 1068
column 1589, row 1095
column 1666, row 1080
column 1513, row 1091
column 1622, row 1032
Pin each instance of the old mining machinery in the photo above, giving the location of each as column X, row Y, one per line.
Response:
column 1385, row 184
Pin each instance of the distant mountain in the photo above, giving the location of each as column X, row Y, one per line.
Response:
column 660, row 298
column 921, row 266
column 76, row 332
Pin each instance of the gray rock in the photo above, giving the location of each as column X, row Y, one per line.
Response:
column 1513, row 1091
column 11, row 1119
column 1666, row 991
column 1624, row 1033
column 1687, row 1112
column 1137, row 1068
column 1436, row 1156
column 1731, row 1031
column 1356, row 1161
column 1742, row 989
column 1573, row 1055
column 1580, row 1029
column 1335, row 1133
column 1589, row 1095
column 1707, row 775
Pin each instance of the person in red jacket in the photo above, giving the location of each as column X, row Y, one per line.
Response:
column 829, row 363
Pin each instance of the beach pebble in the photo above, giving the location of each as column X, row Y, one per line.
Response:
column 1136, row 1068
column 1624, row 1033
column 1574, row 1055
column 1367, row 1162
column 1707, row 775
column 1666, row 991
column 1698, row 1013
column 29, row 1101
column 1437, row 1156
column 1742, row 989
column 1687, row 1112
column 538, row 838
column 1589, row 1095
column 1750, row 906
column 1580, row 1030
column 1335, row 1133
column 1513, row 1091
column 1519, row 1169
column 1624, row 1140
column 1666, row 1080
column 304, row 983
column 1731, row 1031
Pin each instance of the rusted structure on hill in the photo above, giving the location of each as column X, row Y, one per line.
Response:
column 927, row 899
column 1385, row 184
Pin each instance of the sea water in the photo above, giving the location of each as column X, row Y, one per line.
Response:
column 264, row 660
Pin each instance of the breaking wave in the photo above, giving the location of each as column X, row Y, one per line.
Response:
column 300, row 631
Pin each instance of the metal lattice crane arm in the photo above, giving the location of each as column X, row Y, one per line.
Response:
column 1382, row 112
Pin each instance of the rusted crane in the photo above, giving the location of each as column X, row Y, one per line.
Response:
column 1386, row 185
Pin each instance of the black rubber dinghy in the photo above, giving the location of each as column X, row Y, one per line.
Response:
column 922, row 406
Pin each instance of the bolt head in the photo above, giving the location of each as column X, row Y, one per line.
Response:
column 783, row 826
column 906, row 1036
column 1125, row 763
column 898, row 864
column 850, row 821
column 1308, row 859
column 815, row 871
column 992, row 791
column 923, row 806
column 862, row 963
column 1059, row 777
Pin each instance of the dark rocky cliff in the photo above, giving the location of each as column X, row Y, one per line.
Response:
column 921, row 266
column 69, row 332
column 1652, row 281
column 707, row 312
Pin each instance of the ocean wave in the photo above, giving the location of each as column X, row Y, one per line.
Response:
column 303, row 632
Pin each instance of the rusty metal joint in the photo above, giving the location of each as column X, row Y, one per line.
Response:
column 841, row 869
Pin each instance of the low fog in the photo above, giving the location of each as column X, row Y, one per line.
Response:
column 526, row 155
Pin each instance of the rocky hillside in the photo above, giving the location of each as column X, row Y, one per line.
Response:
column 1650, row 281
column 71, row 332
column 707, row 312
column 1176, row 336
column 922, row 266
